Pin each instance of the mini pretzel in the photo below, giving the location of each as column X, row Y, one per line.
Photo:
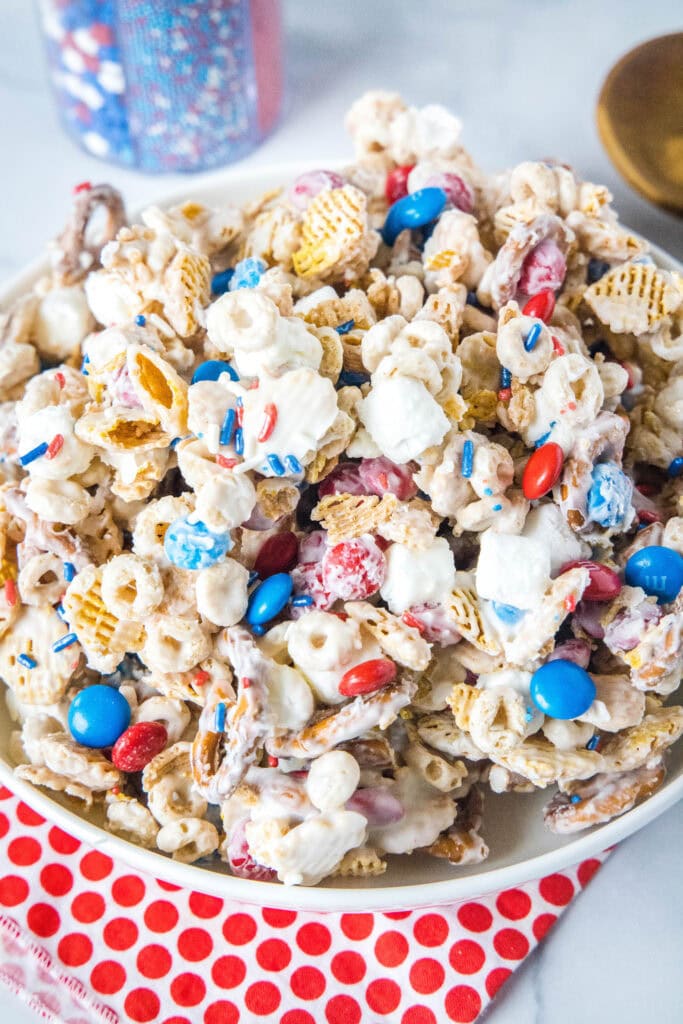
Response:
column 602, row 798
column 78, row 256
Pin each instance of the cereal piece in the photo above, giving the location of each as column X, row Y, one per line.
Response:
column 351, row 515
column 363, row 862
column 333, row 353
column 643, row 743
column 399, row 641
column 160, row 389
column 131, row 588
column 120, row 429
column 131, row 820
column 463, row 608
column 84, row 765
column 41, row 580
column 336, row 241
column 34, row 633
column 174, row 644
column 633, row 298
column 307, row 853
column 104, row 637
column 188, row 839
column 42, row 776
column 459, row 846
column 167, row 781
column 601, row 798
column 414, row 525
column 496, row 718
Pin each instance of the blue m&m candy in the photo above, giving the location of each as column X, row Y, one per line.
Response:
column 269, row 598
column 609, row 497
column 658, row 570
column 507, row 613
column 193, row 545
column 247, row 274
column 413, row 211
column 561, row 689
column 212, row 369
column 98, row 715
column 221, row 280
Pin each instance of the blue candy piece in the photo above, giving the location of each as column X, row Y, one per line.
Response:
column 212, row 369
column 413, row 211
column 561, row 689
column 609, row 498
column 98, row 715
column 596, row 270
column 269, row 598
column 193, row 545
column 658, row 570
column 675, row 467
column 507, row 613
column 247, row 274
column 221, row 281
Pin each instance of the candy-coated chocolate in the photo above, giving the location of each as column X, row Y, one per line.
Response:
column 541, row 305
column 277, row 554
column 136, row 747
column 212, row 369
column 562, row 689
column 221, row 281
column 658, row 570
column 193, row 545
column 604, row 583
column 675, row 467
column 248, row 273
column 609, row 497
column 397, row 183
column 367, row 677
column 542, row 471
column 413, row 211
column 269, row 598
column 98, row 715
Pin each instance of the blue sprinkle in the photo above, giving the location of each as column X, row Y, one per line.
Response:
column 27, row 661
column 467, row 459
column 34, row 454
column 543, row 438
column 258, row 630
column 228, row 427
column 532, row 337
column 69, row 571
column 507, row 613
column 596, row 270
column 219, row 720
column 497, row 508
column 592, row 743
column 488, row 492
column 303, row 601
column 60, row 611
column 675, row 467
column 247, row 274
column 86, row 360
column 239, row 441
column 609, row 497
column 175, row 442
column 293, row 464
column 505, row 378
column 276, row 465
column 344, row 328
column 253, row 576
column 575, row 798
column 65, row 641
column 221, row 281
column 528, row 713
column 349, row 379
column 140, row 320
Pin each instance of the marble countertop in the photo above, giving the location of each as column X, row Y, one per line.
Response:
column 524, row 77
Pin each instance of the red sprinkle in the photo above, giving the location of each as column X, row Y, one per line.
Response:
column 60, row 378
column 603, row 585
column 278, row 554
column 136, row 747
column 226, row 463
column 246, row 683
column 10, row 592
column 254, row 384
column 541, row 305
column 55, row 446
column 396, row 186
column 201, row 677
column 410, row 620
column 505, row 394
column 367, row 677
column 115, row 790
column 558, row 348
column 83, row 186
column 542, row 470
column 570, row 603
column 269, row 421
column 239, row 415
column 273, row 762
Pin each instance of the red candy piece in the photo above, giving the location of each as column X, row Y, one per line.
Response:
column 138, row 745
column 542, row 470
column 278, row 554
column 433, row 623
column 10, row 592
column 541, row 306
column 367, row 677
column 578, row 651
column 241, row 862
column 382, row 476
column 604, row 583
column 378, row 804
column 648, row 516
column 307, row 578
column 544, row 268
column 344, row 479
column 458, row 192
column 354, row 569
column 397, row 183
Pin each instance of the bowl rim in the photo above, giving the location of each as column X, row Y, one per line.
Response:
column 329, row 898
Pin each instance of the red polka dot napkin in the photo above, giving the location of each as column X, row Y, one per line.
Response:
column 83, row 939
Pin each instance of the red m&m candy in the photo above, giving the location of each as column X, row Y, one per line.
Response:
column 277, row 554
column 604, row 584
column 541, row 305
column 136, row 747
column 367, row 677
column 397, row 183
column 542, row 470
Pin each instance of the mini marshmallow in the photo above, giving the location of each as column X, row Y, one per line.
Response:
column 547, row 527
column 418, row 577
column 512, row 570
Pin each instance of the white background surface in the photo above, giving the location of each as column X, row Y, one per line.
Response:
column 524, row 76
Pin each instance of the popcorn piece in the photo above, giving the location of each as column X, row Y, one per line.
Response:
column 402, row 418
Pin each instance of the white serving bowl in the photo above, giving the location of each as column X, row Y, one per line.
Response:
column 521, row 847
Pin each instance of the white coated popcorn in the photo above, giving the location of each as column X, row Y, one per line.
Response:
column 418, row 577
column 221, row 592
column 42, row 426
column 402, row 418
column 512, row 570
column 332, row 779
column 546, row 526
column 62, row 322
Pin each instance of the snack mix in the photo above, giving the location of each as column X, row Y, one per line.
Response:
column 324, row 515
